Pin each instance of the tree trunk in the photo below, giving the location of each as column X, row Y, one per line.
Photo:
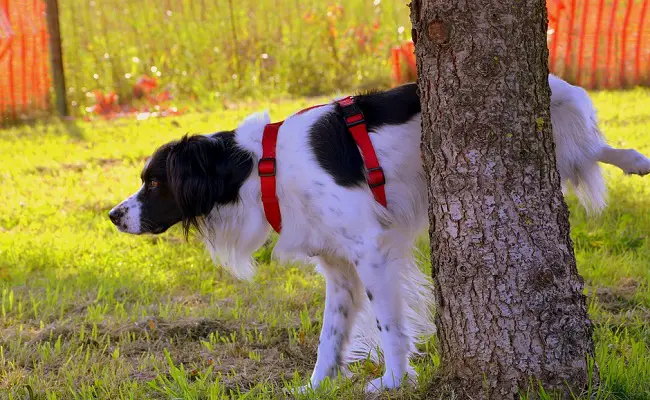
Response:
column 511, row 311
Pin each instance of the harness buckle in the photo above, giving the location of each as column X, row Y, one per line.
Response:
column 352, row 114
column 376, row 177
column 266, row 167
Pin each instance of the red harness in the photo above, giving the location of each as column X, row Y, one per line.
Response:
column 267, row 167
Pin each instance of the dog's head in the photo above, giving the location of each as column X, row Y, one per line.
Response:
column 182, row 182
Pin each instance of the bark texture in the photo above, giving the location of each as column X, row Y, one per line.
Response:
column 511, row 310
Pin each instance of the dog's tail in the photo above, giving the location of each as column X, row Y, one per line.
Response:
column 417, row 293
column 579, row 143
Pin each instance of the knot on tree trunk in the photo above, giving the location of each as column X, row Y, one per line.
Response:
column 438, row 32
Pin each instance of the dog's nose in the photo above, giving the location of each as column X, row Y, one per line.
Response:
column 115, row 215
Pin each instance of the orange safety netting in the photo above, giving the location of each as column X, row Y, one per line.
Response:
column 592, row 43
column 25, row 70
column 598, row 43
column 24, row 64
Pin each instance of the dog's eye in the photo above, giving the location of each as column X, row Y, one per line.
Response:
column 153, row 184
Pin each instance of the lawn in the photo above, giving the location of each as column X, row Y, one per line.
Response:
column 88, row 312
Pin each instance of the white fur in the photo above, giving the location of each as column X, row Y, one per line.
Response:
column 130, row 222
column 580, row 145
column 362, row 247
column 629, row 160
column 578, row 142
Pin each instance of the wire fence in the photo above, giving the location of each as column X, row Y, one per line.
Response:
column 216, row 49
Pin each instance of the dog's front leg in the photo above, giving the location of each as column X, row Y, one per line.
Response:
column 342, row 298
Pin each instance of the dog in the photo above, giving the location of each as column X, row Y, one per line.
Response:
column 375, row 292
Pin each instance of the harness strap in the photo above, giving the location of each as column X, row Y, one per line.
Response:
column 357, row 127
column 267, row 166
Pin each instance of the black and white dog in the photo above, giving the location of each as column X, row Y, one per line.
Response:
column 375, row 293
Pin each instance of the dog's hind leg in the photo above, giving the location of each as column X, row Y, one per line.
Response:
column 629, row 160
column 343, row 296
column 580, row 145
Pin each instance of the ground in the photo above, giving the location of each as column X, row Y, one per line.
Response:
column 88, row 312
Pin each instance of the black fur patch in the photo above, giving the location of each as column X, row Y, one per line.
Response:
column 195, row 174
column 158, row 209
column 205, row 172
column 392, row 107
column 333, row 145
column 343, row 310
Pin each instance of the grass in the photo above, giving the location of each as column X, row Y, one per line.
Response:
column 216, row 50
column 87, row 312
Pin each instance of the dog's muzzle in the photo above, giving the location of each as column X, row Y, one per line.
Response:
column 116, row 215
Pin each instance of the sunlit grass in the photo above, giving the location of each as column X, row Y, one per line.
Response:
column 220, row 50
column 87, row 312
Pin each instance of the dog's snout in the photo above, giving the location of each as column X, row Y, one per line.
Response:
column 115, row 215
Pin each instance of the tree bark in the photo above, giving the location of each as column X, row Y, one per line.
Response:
column 511, row 310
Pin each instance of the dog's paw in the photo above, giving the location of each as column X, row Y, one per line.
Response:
column 383, row 383
column 304, row 389
column 637, row 164
column 300, row 390
column 388, row 382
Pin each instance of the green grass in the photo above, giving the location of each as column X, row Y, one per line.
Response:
column 87, row 312
column 218, row 50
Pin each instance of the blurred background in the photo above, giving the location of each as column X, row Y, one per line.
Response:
column 116, row 52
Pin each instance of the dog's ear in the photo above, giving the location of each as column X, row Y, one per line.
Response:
column 195, row 168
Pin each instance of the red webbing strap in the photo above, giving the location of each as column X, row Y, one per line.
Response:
column 357, row 127
column 309, row 108
column 266, row 169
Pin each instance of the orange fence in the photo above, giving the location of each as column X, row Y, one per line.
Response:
column 592, row 43
column 598, row 43
column 24, row 66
